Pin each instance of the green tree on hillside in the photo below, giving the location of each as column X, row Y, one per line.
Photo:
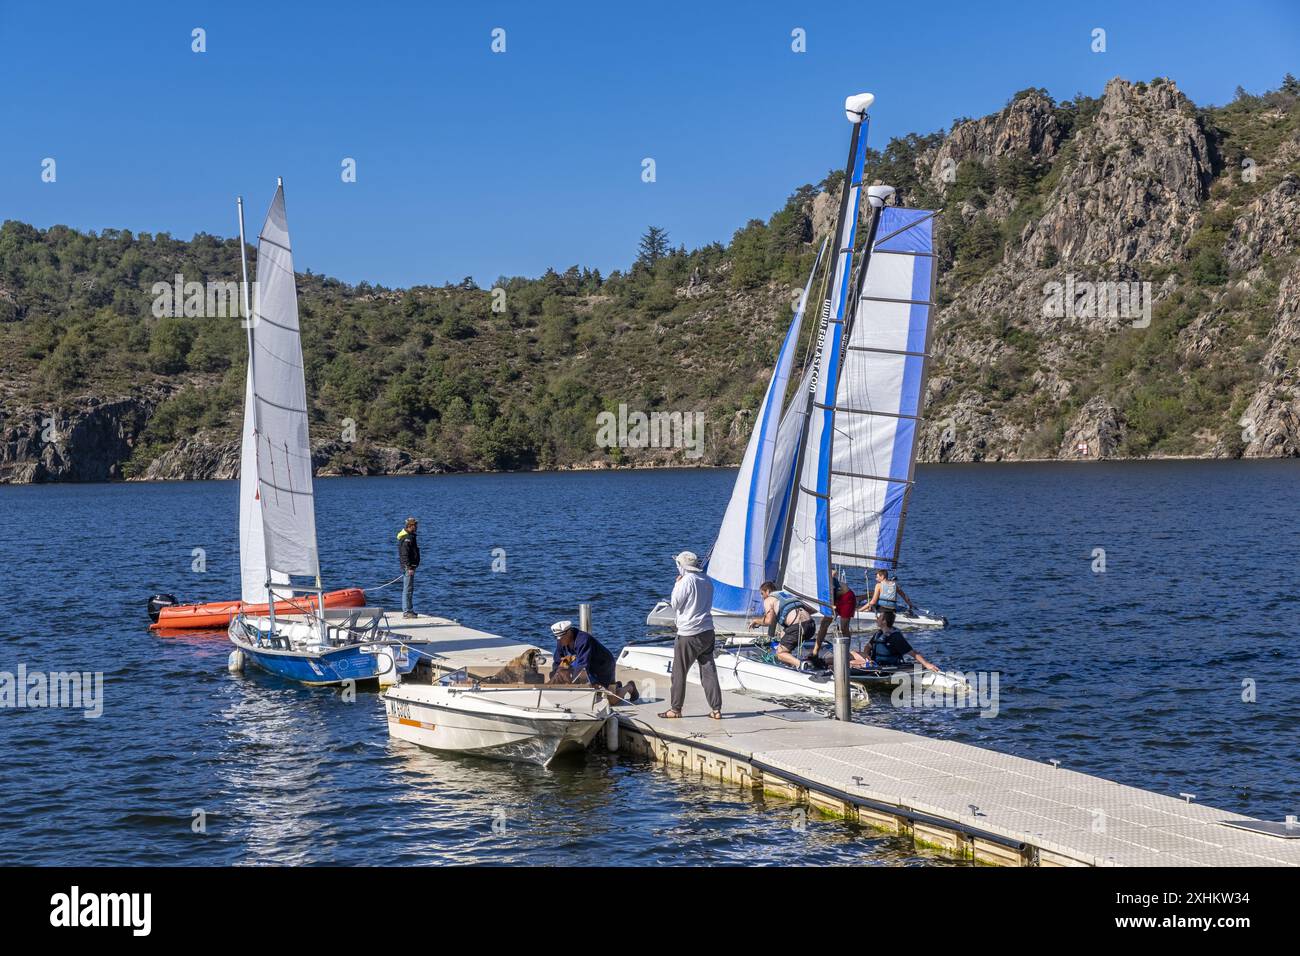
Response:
column 653, row 247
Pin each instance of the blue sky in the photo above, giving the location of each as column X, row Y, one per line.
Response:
column 483, row 164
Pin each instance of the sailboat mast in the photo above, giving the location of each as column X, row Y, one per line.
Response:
column 811, row 392
column 257, row 427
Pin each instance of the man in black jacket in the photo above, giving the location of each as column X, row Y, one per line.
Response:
column 408, row 552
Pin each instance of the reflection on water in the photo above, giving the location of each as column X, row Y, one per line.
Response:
column 1135, row 674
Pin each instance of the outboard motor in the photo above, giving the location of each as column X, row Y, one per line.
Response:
column 158, row 602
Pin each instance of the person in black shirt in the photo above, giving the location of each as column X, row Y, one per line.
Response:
column 888, row 647
column 408, row 553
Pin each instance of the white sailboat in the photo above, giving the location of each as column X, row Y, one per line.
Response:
column 277, row 514
column 842, row 463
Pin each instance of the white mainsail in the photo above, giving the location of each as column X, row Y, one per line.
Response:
column 252, row 547
column 279, row 391
column 738, row 562
column 880, row 392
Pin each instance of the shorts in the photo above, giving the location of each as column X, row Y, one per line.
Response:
column 795, row 634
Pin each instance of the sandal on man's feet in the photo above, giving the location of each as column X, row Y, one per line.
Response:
column 671, row 714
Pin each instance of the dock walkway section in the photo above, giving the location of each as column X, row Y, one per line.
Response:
column 977, row 803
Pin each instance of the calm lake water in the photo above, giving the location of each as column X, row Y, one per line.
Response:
column 1135, row 674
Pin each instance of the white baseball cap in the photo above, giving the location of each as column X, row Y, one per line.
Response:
column 559, row 627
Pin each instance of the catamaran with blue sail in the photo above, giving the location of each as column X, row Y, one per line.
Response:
column 827, row 488
column 756, row 535
column 277, row 512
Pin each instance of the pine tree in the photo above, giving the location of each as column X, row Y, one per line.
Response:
column 653, row 247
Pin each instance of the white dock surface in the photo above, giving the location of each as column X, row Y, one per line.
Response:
column 458, row 645
column 1084, row 818
column 940, row 783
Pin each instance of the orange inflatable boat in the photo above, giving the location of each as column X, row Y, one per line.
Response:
column 168, row 615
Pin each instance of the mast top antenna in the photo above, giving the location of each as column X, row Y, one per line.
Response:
column 856, row 106
column 879, row 195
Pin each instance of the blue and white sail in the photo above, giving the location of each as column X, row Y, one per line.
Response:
column 807, row 565
column 740, row 560
column 880, row 392
column 785, row 462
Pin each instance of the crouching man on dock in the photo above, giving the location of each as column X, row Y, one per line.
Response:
column 692, row 600
column 577, row 652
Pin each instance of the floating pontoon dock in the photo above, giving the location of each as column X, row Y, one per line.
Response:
column 459, row 646
column 973, row 802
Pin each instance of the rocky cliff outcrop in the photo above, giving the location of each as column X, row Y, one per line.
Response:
column 1271, row 422
column 1093, row 264
column 332, row 458
column 202, row 455
column 1095, row 432
column 1133, row 186
column 88, row 439
column 1028, row 128
column 1270, row 226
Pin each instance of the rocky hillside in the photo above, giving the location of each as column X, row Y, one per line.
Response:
column 1120, row 279
column 1199, row 208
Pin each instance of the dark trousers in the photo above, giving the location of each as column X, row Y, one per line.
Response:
column 688, row 651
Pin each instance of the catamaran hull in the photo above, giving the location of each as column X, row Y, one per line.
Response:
column 736, row 671
column 503, row 733
column 729, row 624
column 739, row 673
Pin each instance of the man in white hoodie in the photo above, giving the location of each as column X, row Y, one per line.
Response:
column 692, row 601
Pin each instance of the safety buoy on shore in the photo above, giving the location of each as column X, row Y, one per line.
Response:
column 236, row 663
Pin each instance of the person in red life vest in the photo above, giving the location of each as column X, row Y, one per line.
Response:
column 846, row 605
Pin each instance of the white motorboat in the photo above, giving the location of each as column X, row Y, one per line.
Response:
column 530, row 722
column 733, row 626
